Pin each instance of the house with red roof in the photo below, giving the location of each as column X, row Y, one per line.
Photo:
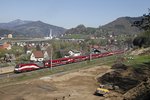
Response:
column 5, row 45
column 39, row 56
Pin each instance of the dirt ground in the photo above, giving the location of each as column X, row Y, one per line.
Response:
column 6, row 69
column 79, row 85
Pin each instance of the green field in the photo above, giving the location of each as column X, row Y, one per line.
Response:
column 139, row 61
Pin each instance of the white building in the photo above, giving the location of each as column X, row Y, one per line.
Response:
column 39, row 56
column 74, row 53
column 49, row 36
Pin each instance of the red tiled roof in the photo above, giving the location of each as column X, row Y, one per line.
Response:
column 4, row 46
column 1, row 47
column 38, row 54
column 96, row 46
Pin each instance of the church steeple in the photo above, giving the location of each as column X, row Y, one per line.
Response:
column 50, row 34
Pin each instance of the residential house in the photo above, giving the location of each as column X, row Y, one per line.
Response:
column 1, row 38
column 28, row 52
column 74, row 53
column 93, row 37
column 39, row 56
column 10, row 36
column 96, row 51
column 5, row 45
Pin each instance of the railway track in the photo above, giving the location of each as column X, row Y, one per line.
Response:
column 13, row 75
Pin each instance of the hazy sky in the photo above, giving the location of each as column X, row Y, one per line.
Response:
column 70, row 13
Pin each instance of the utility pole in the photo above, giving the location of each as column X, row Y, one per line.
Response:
column 1, row 70
column 90, row 53
column 51, row 57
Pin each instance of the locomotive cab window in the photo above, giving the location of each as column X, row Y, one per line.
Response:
column 17, row 66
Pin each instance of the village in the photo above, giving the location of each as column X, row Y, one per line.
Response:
column 39, row 49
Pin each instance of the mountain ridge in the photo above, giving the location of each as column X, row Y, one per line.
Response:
column 32, row 28
column 121, row 25
column 12, row 24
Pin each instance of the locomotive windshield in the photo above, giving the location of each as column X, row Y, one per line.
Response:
column 17, row 66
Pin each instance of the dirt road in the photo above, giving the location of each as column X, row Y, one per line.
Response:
column 78, row 85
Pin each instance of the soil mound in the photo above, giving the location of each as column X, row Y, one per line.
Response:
column 140, row 92
column 124, row 77
column 116, row 79
column 119, row 66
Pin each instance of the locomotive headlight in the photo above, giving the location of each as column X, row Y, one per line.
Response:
column 16, row 69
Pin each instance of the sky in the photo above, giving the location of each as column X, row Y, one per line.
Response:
column 70, row 13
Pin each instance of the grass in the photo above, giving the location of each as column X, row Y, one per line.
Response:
column 64, row 68
column 139, row 61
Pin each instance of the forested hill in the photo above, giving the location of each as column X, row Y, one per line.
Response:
column 122, row 25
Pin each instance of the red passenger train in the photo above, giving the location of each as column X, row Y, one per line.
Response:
column 26, row 67
column 61, row 61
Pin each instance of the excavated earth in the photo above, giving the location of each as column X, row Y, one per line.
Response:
column 133, row 83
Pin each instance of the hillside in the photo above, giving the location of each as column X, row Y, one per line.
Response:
column 41, row 29
column 12, row 24
column 30, row 28
column 121, row 25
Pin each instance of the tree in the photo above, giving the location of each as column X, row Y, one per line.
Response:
column 25, row 48
column 16, row 50
column 144, row 38
column 2, row 52
column 38, row 48
column 139, row 41
column 58, row 54
column 144, row 23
